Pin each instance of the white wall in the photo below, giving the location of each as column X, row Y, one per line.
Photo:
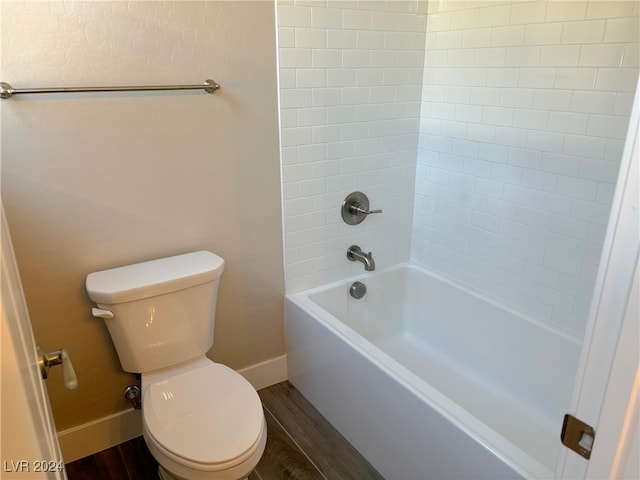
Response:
column 350, row 83
column 92, row 181
column 524, row 115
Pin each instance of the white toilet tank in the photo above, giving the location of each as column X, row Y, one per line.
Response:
column 163, row 310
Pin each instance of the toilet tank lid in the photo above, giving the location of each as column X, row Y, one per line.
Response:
column 155, row 277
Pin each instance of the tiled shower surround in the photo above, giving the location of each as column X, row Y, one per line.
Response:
column 350, row 89
column 524, row 115
column 522, row 107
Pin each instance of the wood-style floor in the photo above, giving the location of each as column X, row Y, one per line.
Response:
column 301, row 445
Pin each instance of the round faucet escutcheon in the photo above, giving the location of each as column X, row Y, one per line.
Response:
column 355, row 208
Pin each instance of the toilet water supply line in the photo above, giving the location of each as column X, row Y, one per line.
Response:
column 132, row 393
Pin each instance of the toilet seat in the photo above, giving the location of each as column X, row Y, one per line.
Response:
column 204, row 415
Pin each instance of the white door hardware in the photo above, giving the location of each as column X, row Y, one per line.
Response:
column 59, row 357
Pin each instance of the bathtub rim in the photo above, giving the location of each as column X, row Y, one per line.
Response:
column 447, row 280
column 508, row 452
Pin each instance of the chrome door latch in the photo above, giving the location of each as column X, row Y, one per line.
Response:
column 59, row 357
column 577, row 436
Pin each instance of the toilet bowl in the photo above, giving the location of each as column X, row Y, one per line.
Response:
column 201, row 419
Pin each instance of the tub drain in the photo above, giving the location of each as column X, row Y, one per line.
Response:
column 358, row 290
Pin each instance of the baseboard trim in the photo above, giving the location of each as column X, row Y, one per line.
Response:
column 267, row 373
column 106, row 432
column 97, row 435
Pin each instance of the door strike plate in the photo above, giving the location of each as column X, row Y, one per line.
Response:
column 578, row 436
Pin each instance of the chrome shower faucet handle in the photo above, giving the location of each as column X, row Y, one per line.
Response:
column 355, row 208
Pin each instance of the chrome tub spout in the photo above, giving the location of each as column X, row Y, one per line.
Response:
column 355, row 253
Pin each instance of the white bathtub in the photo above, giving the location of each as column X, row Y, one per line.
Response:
column 429, row 380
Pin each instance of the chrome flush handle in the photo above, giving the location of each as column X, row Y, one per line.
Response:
column 59, row 357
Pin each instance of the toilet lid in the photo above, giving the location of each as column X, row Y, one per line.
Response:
column 208, row 415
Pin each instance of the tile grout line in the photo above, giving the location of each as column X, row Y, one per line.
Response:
column 256, row 473
column 294, row 441
column 124, row 461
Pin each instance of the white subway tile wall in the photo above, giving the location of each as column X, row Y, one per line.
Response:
column 524, row 113
column 350, row 93
column 489, row 132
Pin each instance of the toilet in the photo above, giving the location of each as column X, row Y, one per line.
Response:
column 201, row 419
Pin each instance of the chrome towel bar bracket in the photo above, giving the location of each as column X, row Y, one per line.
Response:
column 7, row 91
